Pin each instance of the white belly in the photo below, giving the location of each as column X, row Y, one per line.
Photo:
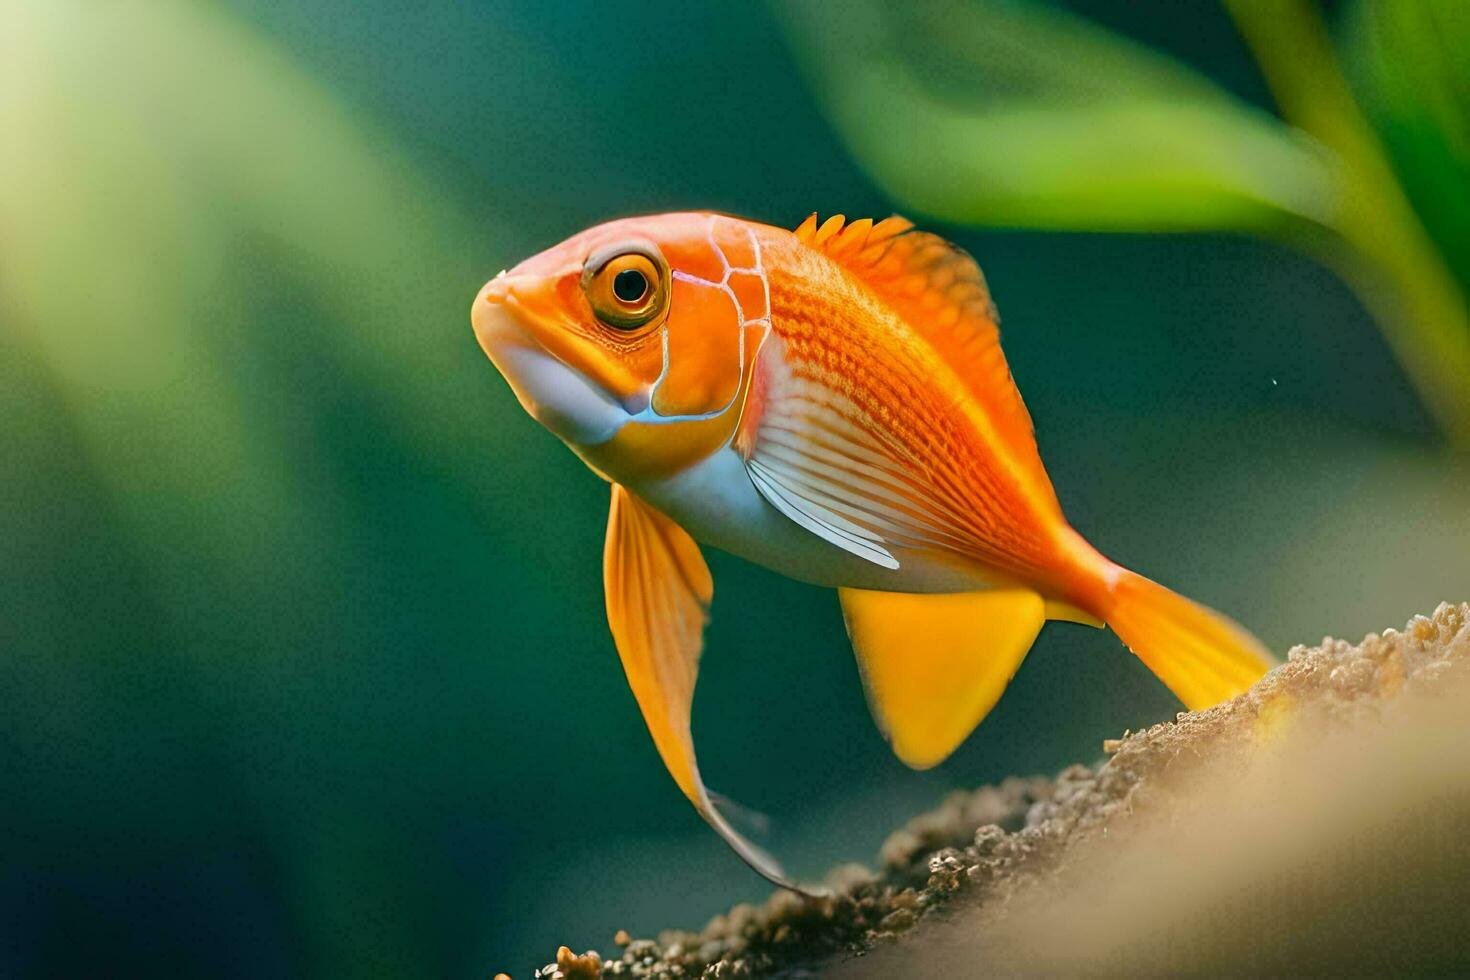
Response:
column 718, row 505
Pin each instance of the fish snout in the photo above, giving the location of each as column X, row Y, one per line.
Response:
column 496, row 317
column 498, row 292
column 558, row 396
column 497, row 289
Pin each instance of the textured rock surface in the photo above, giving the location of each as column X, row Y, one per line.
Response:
column 1321, row 820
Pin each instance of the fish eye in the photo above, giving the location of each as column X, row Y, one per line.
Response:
column 630, row 285
column 627, row 286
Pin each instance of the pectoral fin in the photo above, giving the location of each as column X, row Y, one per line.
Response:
column 658, row 592
column 821, row 513
column 934, row 665
column 832, row 468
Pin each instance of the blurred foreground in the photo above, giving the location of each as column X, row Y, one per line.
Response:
column 1316, row 824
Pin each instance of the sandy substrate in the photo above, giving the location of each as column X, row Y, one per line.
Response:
column 1319, row 823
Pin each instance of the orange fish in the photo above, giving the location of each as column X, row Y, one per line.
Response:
column 831, row 403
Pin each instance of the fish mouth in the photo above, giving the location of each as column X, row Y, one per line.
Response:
column 552, row 392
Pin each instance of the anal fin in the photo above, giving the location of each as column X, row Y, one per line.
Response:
column 934, row 665
column 1065, row 612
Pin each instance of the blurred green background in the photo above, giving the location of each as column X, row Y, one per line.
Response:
column 303, row 665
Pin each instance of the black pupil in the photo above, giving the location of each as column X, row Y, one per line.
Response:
column 630, row 285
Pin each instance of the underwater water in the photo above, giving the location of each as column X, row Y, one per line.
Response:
column 304, row 668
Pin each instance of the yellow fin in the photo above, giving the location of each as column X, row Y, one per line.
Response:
column 1202, row 656
column 658, row 591
column 934, row 665
column 1068, row 613
column 939, row 291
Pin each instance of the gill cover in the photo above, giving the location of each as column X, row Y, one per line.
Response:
column 682, row 302
column 720, row 314
column 696, row 359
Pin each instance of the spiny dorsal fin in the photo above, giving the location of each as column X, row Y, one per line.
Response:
column 914, row 270
column 940, row 291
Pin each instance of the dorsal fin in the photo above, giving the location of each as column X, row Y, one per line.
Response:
column 917, row 272
column 939, row 290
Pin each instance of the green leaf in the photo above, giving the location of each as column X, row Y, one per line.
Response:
column 1410, row 64
column 141, row 185
column 1023, row 115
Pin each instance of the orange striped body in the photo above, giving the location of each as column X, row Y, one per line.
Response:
column 970, row 442
column 831, row 403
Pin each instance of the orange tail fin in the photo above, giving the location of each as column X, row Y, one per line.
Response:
column 1202, row 656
